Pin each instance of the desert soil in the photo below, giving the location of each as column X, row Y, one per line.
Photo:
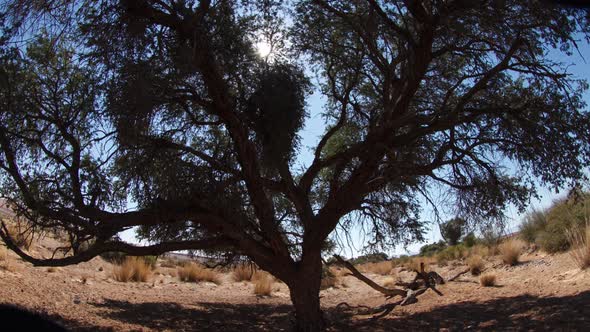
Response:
column 543, row 292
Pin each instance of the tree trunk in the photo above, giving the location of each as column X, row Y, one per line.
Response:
column 305, row 295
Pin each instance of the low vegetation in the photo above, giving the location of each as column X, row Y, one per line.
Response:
column 510, row 250
column 132, row 269
column 487, row 280
column 196, row 273
column 243, row 272
column 476, row 264
column 380, row 268
column 549, row 228
column 579, row 240
column 263, row 284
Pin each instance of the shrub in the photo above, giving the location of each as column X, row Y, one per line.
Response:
column 328, row 281
column 534, row 222
column 579, row 240
column 132, row 269
column 389, row 282
column 510, row 251
column 414, row 264
column 150, row 261
column 194, row 273
column 243, row 272
column 381, row 268
column 475, row 264
column 470, row 240
column 21, row 238
column 480, row 250
column 433, row 248
column 564, row 215
column 487, row 279
column 452, row 253
column 263, row 285
column 369, row 258
column 3, row 254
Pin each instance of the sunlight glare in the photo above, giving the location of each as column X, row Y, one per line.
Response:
column 263, row 49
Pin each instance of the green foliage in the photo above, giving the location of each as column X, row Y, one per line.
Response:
column 150, row 261
column 469, row 240
column 431, row 249
column 452, row 253
column 370, row 258
column 452, row 230
column 549, row 228
column 534, row 223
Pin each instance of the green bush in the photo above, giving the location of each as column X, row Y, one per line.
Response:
column 470, row 240
column 431, row 249
column 534, row 223
column 150, row 261
column 452, row 253
column 370, row 258
column 549, row 229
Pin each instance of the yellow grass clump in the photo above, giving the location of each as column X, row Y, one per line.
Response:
column 5, row 260
column 480, row 250
column 389, row 282
column 510, row 250
column 328, row 281
column 579, row 240
column 414, row 263
column 475, row 264
column 243, row 272
column 380, row 268
column 263, row 285
column 132, row 269
column 195, row 273
column 21, row 238
column 487, row 280
column 3, row 254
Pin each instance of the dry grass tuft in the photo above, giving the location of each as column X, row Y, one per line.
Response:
column 579, row 240
column 487, row 280
column 195, row 273
column 329, row 281
column 263, row 285
column 414, row 263
column 243, row 272
column 5, row 263
column 20, row 237
column 510, row 251
column 3, row 254
column 480, row 250
column 389, row 282
column 475, row 264
column 132, row 269
column 380, row 268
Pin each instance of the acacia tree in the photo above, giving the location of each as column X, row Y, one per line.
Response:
column 161, row 115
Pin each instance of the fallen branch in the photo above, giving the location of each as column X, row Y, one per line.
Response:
column 387, row 291
column 422, row 282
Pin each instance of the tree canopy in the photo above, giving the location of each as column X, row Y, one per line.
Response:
column 161, row 114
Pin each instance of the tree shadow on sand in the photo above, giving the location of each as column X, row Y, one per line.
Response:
column 524, row 312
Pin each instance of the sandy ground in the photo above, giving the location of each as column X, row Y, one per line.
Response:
column 543, row 292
